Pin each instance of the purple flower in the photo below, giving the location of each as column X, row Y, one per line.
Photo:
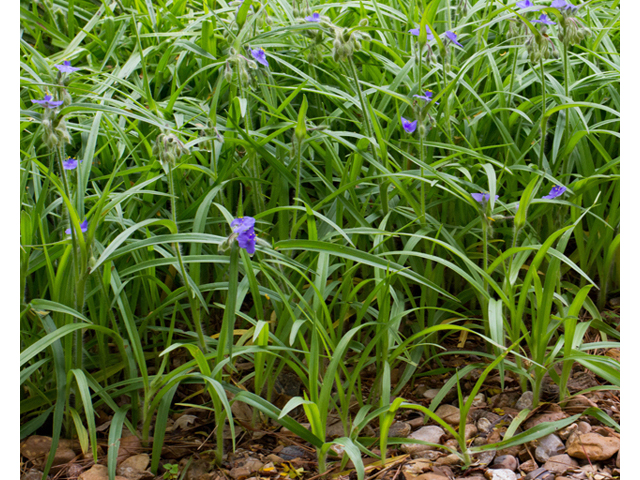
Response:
column 66, row 67
column 408, row 126
column 427, row 97
column 314, row 17
column 261, row 56
column 452, row 37
column 483, row 197
column 544, row 19
column 416, row 32
column 70, row 163
column 84, row 226
column 243, row 226
column 48, row 102
column 555, row 192
column 524, row 4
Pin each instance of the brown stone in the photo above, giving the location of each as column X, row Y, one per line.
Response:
column 592, row 446
column 559, row 464
column 431, row 476
column 449, row 414
column 544, row 418
column 528, row 466
column 400, row 429
column 97, row 472
column 129, row 445
column 137, row 462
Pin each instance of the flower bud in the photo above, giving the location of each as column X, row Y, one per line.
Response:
column 364, row 22
column 66, row 98
column 228, row 73
column 422, row 130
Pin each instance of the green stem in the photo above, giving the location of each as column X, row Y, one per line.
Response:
column 369, row 133
column 298, row 146
column 193, row 302
column 543, row 120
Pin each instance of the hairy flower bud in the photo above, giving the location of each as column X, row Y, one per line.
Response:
column 168, row 148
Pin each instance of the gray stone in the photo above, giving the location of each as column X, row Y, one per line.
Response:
column 484, row 425
column 291, row 452
column 548, row 447
column 525, row 401
column 431, row 434
column 400, row 429
column 559, row 464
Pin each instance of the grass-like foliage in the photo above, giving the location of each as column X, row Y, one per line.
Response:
column 416, row 170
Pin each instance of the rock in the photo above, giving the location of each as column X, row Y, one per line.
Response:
column 431, row 434
column 36, row 448
column 137, row 462
column 525, row 401
column 501, row 474
column 400, row 429
column 485, row 458
column 129, row 446
column 449, row 414
column 291, row 452
column 503, row 400
column 539, row 474
column 548, row 447
column 433, row 392
column 544, row 418
column 415, row 422
column 33, row 474
column 272, row 457
column 452, row 459
column 484, row 425
column 431, row 476
column 335, row 430
column 618, row 460
column 199, row 468
column 97, row 472
column 505, row 462
column 514, row 451
column 494, row 437
column 592, row 446
column 528, row 466
column 584, row 427
column 566, row 432
column 560, row 463
column 478, row 400
column 470, row 431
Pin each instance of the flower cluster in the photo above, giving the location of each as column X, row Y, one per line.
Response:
column 246, row 236
column 347, row 40
column 168, row 148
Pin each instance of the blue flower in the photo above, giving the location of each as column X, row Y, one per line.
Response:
column 84, row 226
column 555, row 192
column 409, row 126
column 524, row 4
column 427, row 97
column 314, row 17
column 66, row 67
column 544, row 19
column 48, row 102
column 452, row 37
column 243, row 226
column 483, row 197
column 416, row 32
column 70, row 163
column 261, row 56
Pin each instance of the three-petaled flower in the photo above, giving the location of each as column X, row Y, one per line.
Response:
column 524, row 4
column 483, row 197
column 452, row 37
column 563, row 5
column 66, row 67
column 544, row 19
column 555, row 192
column 84, row 226
column 409, row 126
column 314, row 17
column 48, row 102
column 243, row 227
column 416, row 32
column 427, row 97
column 260, row 56
column 70, row 163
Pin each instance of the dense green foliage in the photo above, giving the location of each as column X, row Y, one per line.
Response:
column 371, row 248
